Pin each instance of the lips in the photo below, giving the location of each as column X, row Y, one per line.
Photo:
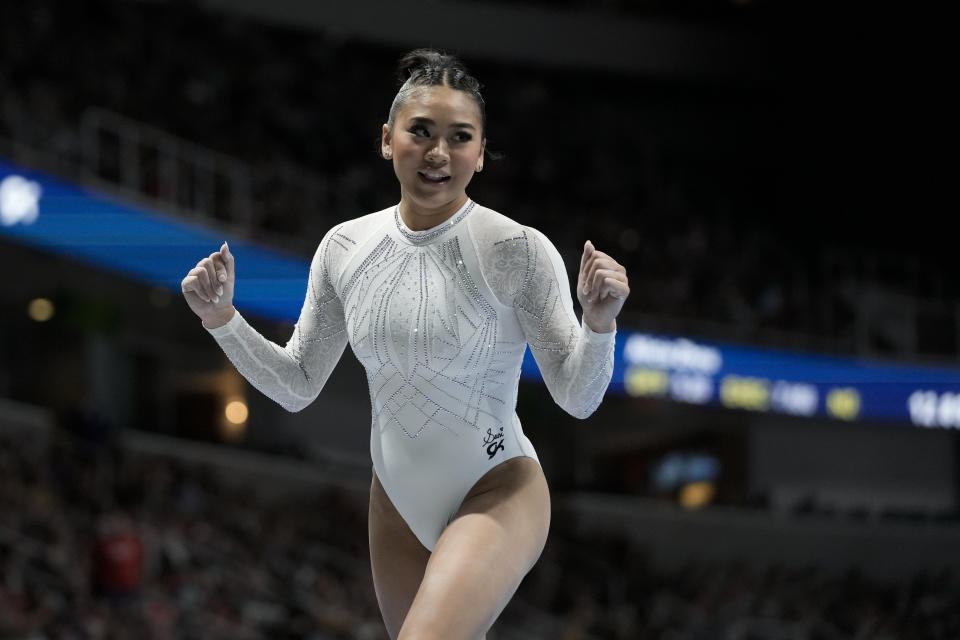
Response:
column 433, row 177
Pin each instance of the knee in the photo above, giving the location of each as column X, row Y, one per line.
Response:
column 429, row 632
column 418, row 633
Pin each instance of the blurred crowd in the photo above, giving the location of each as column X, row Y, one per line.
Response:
column 95, row 543
column 101, row 542
column 677, row 182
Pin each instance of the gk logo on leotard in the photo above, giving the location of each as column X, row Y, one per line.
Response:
column 494, row 442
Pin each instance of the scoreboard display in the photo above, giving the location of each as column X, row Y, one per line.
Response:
column 762, row 379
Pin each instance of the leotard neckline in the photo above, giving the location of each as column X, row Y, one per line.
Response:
column 426, row 235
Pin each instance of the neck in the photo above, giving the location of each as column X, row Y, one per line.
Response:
column 418, row 218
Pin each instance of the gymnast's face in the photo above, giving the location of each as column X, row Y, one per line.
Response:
column 436, row 146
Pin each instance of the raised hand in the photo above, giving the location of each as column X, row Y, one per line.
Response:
column 602, row 288
column 208, row 288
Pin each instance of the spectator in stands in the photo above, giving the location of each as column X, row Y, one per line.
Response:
column 117, row 558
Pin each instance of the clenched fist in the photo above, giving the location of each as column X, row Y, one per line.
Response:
column 602, row 288
column 208, row 288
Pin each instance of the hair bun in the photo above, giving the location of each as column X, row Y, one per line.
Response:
column 428, row 68
column 423, row 61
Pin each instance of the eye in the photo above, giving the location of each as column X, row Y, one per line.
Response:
column 419, row 130
column 462, row 136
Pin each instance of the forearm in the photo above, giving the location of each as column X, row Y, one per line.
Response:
column 599, row 325
column 280, row 373
column 218, row 319
column 578, row 378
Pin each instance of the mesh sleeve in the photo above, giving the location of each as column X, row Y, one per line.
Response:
column 576, row 362
column 294, row 374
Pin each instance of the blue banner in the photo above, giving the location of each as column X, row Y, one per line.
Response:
column 55, row 215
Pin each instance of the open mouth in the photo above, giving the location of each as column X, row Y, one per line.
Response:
column 430, row 177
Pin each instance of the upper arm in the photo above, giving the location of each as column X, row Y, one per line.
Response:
column 319, row 336
column 543, row 302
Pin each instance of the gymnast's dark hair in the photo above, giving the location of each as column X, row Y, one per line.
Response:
column 430, row 68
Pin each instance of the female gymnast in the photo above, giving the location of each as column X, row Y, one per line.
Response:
column 438, row 297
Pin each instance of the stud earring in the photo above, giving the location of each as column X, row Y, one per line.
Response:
column 387, row 155
column 479, row 168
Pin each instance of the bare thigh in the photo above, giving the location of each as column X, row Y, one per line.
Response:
column 397, row 558
column 477, row 564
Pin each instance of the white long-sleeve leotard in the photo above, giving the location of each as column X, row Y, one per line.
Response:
column 440, row 320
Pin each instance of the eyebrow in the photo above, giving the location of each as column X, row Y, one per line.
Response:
column 458, row 125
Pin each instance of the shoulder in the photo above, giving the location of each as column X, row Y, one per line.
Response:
column 355, row 231
column 493, row 222
column 349, row 234
column 496, row 233
column 510, row 252
column 345, row 238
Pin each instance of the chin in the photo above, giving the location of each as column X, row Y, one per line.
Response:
column 435, row 199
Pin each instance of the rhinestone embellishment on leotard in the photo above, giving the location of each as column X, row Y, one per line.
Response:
column 420, row 237
column 428, row 340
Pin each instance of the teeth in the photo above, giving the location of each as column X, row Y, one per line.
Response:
column 434, row 176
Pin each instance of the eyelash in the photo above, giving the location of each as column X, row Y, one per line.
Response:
column 460, row 136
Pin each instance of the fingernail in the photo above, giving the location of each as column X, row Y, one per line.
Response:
column 216, row 299
column 222, row 278
column 219, row 291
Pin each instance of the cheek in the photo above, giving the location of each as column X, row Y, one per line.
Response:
column 406, row 151
column 469, row 157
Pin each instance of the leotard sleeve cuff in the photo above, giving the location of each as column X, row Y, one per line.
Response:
column 593, row 337
column 226, row 329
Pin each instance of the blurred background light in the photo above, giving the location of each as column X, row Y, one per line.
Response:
column 236, row 411
column 696, row 495
column 40, row 309
column 19, row 200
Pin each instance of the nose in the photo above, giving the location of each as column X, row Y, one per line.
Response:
column 438, row 154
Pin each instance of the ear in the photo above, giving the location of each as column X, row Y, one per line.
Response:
column 385, row 149
column 483, row 148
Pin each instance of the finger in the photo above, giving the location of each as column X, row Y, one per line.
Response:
column 596, row 281
column 608, row 265
column 204, row 290
column 587, row 252
column 189, row 284
column 614, row 288
column 597, row 259
column 219, row 267
column 227, row 258
column 216, row 289
column 602, row 259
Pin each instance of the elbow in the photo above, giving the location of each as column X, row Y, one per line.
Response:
column 579, row 407
column 581, row 412
column 295, row 405
column 296, row 400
